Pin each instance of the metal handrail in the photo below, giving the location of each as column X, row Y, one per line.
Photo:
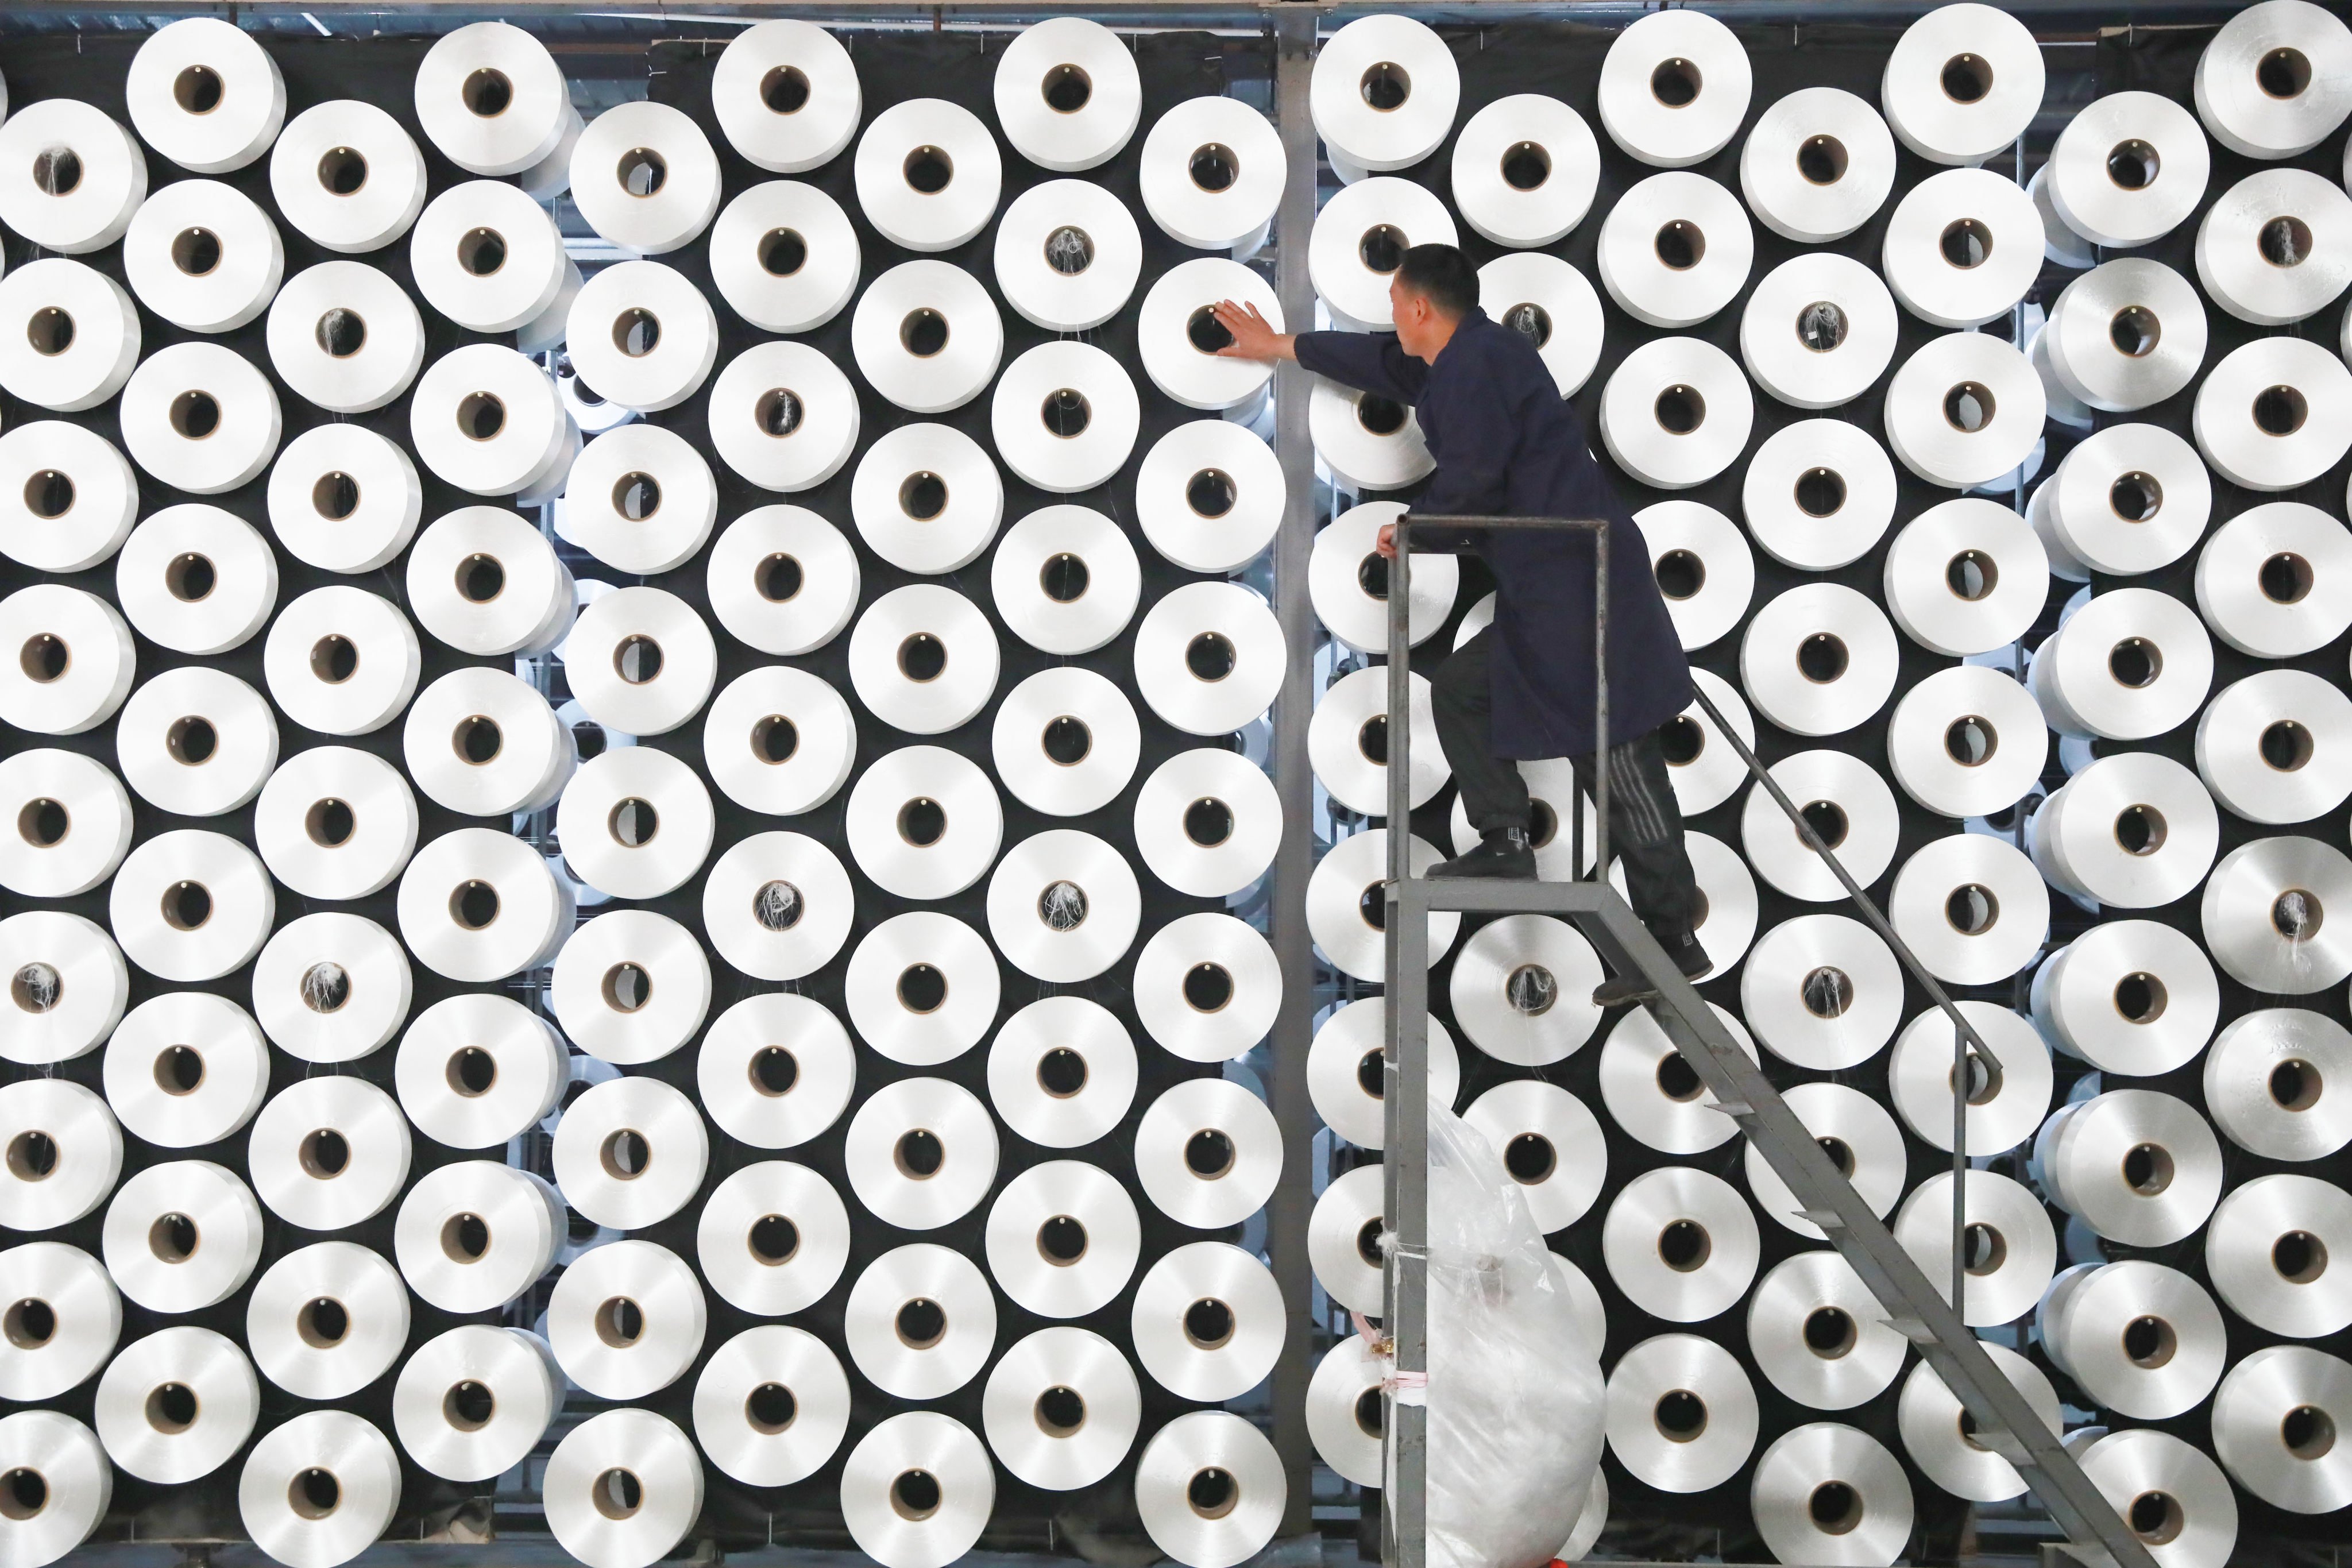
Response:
column 2011, row 1428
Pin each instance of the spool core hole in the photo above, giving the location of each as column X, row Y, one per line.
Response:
column 770, row 1408
column 487, row 92
column 2156, row 1518
column 2309, row 1431
column 324, row 1154
column 342, row 171
column 322, row 1322
column 1062, row 1072
column 921, row 1323
column 784, row 89
column 471, row 1072
column 2295, row 1085
column 1827, row 992
column 191, row 741
column 1971, row 909
column 196, row 414
column 2135, row 330
column 173, row 1238
column 1834, row 1507
column 1822, row 159
column 636, row 331
column 1680, row 409
column 1530, row 989
column 1210, row 656
column 1677, row 1079
column 481, row 251
column 915, row 1496
column 1828, row 820
column 2140, row 830
column 325, row 987
column 2285, row 578
column 474, row 904
column 1970, row 741
column 1385, row 86
column 2136, row 662
column 1209, row 1153
column 1966, row 77
column 1070, row 250
column 22, row 1494
column 329, row 823
column 1526, row 165
column 480, row 416
column 464, row 1238
column 2299, row 1256
column 2140, row 997
column 1530, row 321
column 2279, row 410
column 620, row 1323
column 775, row 1070
column 1681, row 573
column 29, row 1324
column 641, row 172
column 1213, row 166
column 2286, row 746
column 1682, row 739
column 32, row 1155
column 1830, row 1332
column 50, row 330
column 1684, row 1247
column 1676, row 83
column 638, row 658
column 617, row 1493
column 1680, row 244
column 1822, row 658
column 1680, row 1416
column 2284, row 72
column 187, row 905
column 1968, row 406
column 1060, row 1412
column 1062, row 1241
column 782, row 252
column 1066, row 89
column 928, row 169
column 1972, row 576
column 1983, row 1249
column 922, row 989
column 1208, row 1323
column 43, row 823
column 1208, row 987
column 923, row 332
column 1531, row 1158
column 48, row 494
column 195, row 251
column 1065, row 413
column 1966, row 243
column 2284, row 241
column 468, row 1405
column 773, row 1240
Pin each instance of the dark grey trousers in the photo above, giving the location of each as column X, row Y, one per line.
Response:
column 1646, row 826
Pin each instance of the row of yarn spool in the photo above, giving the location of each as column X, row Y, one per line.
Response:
column 1965, row 579
column 476, row 905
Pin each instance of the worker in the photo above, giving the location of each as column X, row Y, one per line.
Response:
column 1505, row 443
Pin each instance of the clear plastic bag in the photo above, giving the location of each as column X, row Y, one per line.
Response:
column 1515, row 1400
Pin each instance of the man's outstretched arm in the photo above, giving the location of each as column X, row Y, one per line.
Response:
column 1368, row 361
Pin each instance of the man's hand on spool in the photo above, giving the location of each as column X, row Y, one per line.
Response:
column 1385, row 541
column 1253, row 336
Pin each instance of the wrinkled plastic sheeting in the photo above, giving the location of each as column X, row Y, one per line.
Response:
column 1514, row 1399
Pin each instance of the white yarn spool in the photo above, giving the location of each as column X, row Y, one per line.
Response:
column 642, row 333
column 1209, row 657
column 1348, row 581
column 200, row 418
column 84, row 1144
column 928, row 174
column 2274, row 1419
column 1363, row 233
column 80, row 338
column 491, row 97
column 75, row 177
column 189, row 905
column 2263, row 915
column 2128, row 169
column 640, row 500
column 928, row 499
column 68, row 497
column 317, row 1491
column 473, row 1234
column 1384, row 92
column 2012, row 1249
column 475, row 1071
column 196, row 742
column 343, row 499
column 1817, row 165
column 487, row 256
column 1068, row 253
column 1343, row 1239
column 1179, row 338
column 1818, row 659
column 1964, row 410
column 477, row 905
column 1829, row 1493
column 782, row 254
column 1347, row 742
column 1675, row 249
column 773, row 1238
column 645, row 177
column 196, row 579
column 1066, row 742
column 1183, row 1303
column 1962, row 246
column 782, row 416
column 775, row 1069
column 1065, row 417
column 85, row 1320
column 786, row 95
column 603, row 1462
column 1364, row 442
column 641, row 661
column 331, row 987
column 483, row 742
column 1962, row 83
column 1207, row 987
column 1818, row 330
column 1550, row 303
column 1673, row 93
column 1207, row 822
column 344, row 335
column 2131, row 498
column 1525, row 168
column 203, row 255
column 1063, row 1238
column 329, row 1152
column 335, row 823
column 907, row 1135
column 584, row 1315
column 2128, row 997
column 771, row 1405
column 2084, row 837
column 168, row 1372
column 1654, row 1095
column 1858, row 1135
column 1209, row 497
column 635, row 822
column 1522, row 989
column 1966, row 577
column 2268, row 1249
column 1681, row 1413
column 779, row 741
column 2266, row 1079
column 75, row 662
column 1346, row 1078
column 1936, row 1429
column 486, row 420
column 2259, row 740
column 1919, row 1079
column 1972, row 906
column 2252, row 418
column 347, row 176
column 1062, row 1072
column 782, row 580
column 73, row 817
column 2138, row 1167
column 1847, row 805
column 1675, row 413
column 1212, row 173
column 1818, row 1333
column 327, row 1320
column 2129, row 665
column 2125, row 335
column 884, row 1482
column 1063, row 906
column 2141, row 1339
column 927, row 336
column 1705, row 771
column 2275, row 581
column 1207, row 1152
column 2268, row 83
column 1821, row 991
column 922, row 988
column 2154, row 1474
column 2276, row 246
column 1817, row 495
column 1061, row 1408
column 630, row 986
column 629, row 1154
column 205, row 95
column 181, row 1235
column 924, row 823
column 777, row 905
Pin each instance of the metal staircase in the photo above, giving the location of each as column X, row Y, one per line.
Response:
column 2005, row 1424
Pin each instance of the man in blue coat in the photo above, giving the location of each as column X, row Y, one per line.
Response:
column 1507, row 444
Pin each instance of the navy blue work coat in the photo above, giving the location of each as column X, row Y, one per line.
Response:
column 1508, row 445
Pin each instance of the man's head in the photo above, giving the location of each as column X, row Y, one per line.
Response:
column 1432, row 289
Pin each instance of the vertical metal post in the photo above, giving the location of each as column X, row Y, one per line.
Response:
column 1288, row 1210
column 1600, row 706
column 1960, row 1082
column 1404, row 1108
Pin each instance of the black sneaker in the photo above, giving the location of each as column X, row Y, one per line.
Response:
column 1682, row 946
column 1505, row 855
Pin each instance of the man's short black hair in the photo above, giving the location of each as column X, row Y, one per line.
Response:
column 1443, row 275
